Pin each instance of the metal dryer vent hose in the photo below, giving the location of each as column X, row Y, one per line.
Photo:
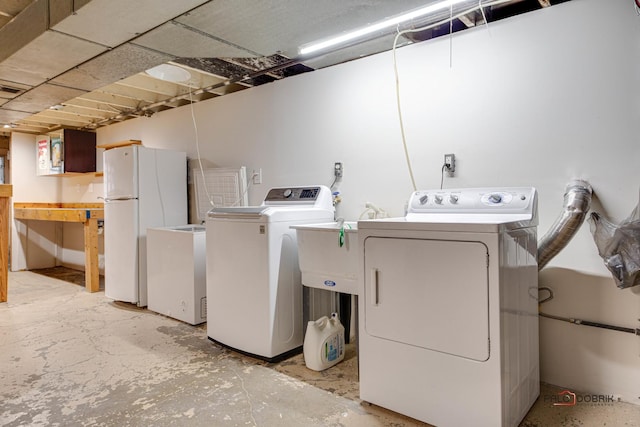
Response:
column 577, row 200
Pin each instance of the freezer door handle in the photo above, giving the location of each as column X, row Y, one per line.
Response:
column 374, row 286
column 116, row 199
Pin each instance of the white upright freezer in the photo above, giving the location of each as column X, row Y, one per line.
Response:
column 144, row 187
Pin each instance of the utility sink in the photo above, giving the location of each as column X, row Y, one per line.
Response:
column 327, row 261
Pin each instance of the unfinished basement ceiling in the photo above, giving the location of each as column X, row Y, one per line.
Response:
column 81, row 63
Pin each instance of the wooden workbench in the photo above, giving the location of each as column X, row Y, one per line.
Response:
column 6, row 192
column 86, row 213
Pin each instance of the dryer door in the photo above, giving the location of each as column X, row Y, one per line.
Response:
column 432, row 294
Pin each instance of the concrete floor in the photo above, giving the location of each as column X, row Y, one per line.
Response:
column 71, row 358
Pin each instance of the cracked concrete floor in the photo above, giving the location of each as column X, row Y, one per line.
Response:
column 71, row 358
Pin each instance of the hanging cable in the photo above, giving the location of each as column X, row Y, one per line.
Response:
column 195, row 129
column 401, row 121
column 156, row 169
column 396, row 74
column 246, row 188
column 479, row 7
column 484, row 17
column 442, row 175
column 450, row 36
column 335, row 179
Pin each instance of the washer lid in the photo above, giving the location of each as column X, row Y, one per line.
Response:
column 288, row 203
column 246, row 212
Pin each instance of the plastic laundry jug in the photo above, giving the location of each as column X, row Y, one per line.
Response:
column 324, row 343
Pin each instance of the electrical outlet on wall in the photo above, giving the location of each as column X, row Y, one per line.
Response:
column 257, row 176
column 450, row 163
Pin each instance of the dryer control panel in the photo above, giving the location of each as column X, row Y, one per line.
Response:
column 513, row 200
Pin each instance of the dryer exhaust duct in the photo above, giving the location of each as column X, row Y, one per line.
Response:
column 577, row 200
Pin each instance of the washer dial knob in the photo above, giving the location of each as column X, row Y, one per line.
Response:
column 453, row 199
column 287, row 193
column 423, row 199
column 438, row 199
column 495, row 198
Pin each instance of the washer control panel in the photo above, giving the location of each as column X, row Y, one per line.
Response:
column 292, row 194
column 313, row 196
column 473, row 200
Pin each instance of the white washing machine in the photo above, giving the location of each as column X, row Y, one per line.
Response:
column 448, row 319
column 254, row 290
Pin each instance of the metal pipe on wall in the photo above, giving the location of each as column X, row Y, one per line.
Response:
column 577, row 200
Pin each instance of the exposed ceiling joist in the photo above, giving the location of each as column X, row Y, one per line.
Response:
column 117, row 102
column 74, row 112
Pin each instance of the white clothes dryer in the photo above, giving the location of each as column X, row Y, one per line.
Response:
column 448, row 320
column 254, row 291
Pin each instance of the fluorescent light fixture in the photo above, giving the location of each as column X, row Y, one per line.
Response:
column 391, row 22
column 169, row 73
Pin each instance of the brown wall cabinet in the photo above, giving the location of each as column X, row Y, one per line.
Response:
column 68, row 151
column 79, row 148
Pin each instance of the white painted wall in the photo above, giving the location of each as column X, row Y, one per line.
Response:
column 535, row 100
column 42, row 244
column 33, row 243
column 84, row 188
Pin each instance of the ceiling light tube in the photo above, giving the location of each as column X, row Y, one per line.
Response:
column 391, row 22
